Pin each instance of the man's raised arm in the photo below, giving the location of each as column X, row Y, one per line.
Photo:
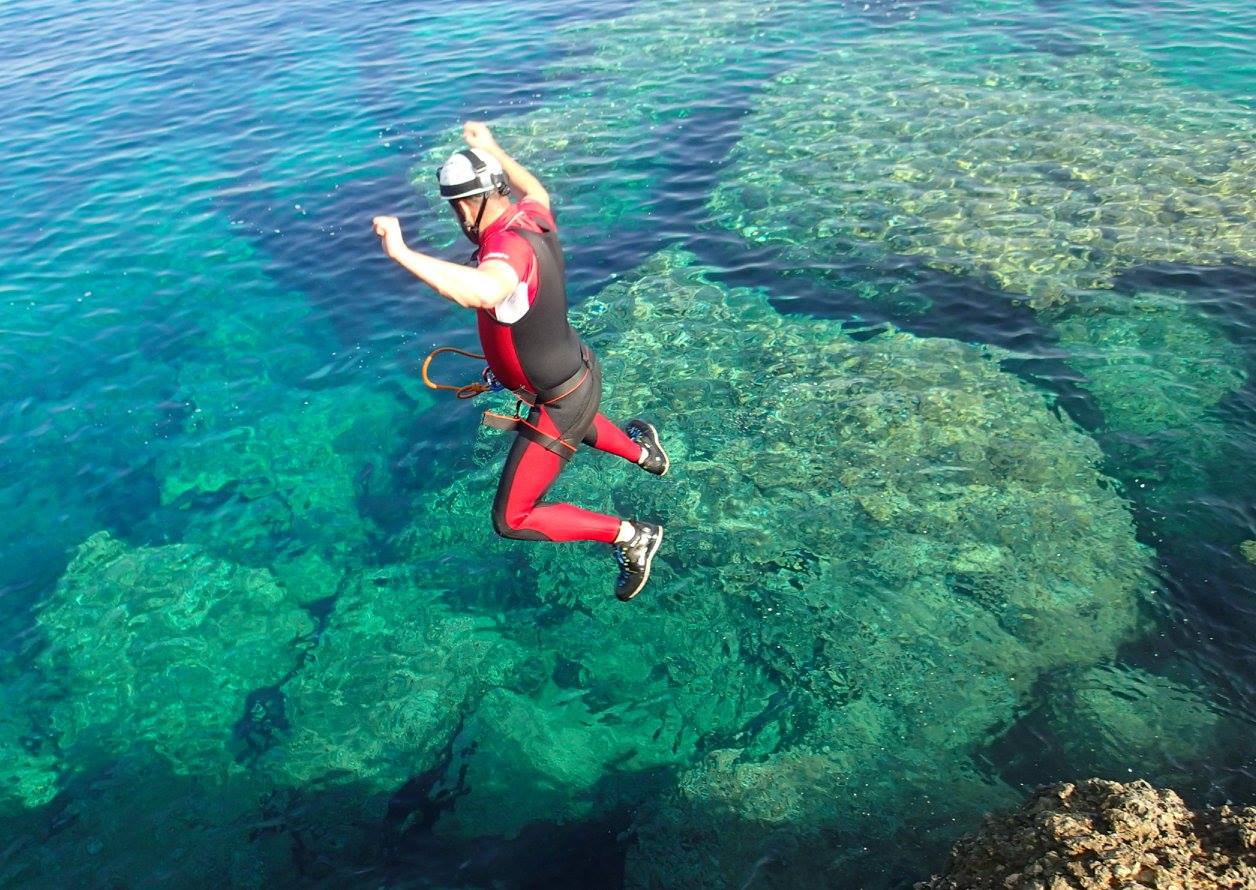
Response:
column 478, row 135
column 481, row 288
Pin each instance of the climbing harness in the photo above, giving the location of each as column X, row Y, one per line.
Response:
column 516, row 422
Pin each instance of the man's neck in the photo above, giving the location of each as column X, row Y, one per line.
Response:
column 492, row 213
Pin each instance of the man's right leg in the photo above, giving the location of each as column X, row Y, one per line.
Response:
column 517, row 512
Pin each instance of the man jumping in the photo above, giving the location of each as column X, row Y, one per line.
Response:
column 517, row 288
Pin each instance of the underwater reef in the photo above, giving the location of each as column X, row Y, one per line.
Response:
column 1043, row 173
column 870, row 540
column 1096, row 834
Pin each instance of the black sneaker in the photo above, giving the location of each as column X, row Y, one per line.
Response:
column 653, row 457
column 634, row 559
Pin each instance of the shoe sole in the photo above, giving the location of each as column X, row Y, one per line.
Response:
column 654, row 434
column 649, row 562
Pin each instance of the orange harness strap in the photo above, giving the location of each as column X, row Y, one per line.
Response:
column 468, row 391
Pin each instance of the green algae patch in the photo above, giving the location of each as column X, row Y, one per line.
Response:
column 162, row 645
column 1045, row 174
column 1248, row 549
column 874, row 547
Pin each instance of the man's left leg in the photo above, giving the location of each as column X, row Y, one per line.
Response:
column 606, row 436
column 637, row 442
column 531, row 469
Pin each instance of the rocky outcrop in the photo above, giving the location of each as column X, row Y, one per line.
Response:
column 1106, row 834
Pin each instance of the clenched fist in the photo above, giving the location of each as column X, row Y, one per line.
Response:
column 388, row 228
column 478, row 135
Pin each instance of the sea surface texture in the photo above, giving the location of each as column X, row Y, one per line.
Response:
column 946, row 312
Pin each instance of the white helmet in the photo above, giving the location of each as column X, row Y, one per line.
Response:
column 471, row 172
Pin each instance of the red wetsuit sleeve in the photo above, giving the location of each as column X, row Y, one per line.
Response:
column 510, row 248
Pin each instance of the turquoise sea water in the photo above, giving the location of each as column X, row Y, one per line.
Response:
column 945, row 310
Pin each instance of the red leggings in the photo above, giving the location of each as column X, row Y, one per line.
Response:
column 532, row 468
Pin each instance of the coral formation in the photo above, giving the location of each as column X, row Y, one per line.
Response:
column 844, row 512
column 163, row 644
column 1098, row 834
column 1046, row 173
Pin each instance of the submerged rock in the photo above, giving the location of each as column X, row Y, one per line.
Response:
column 1098, row 834
column 1152, row 360
column 638, row 86
column 875, row 545
column 1044, row 173
column 136, row 823
column 1115, row 719
column 161, row 646
column 270, row 474
column 377, row 708
column 29, row 767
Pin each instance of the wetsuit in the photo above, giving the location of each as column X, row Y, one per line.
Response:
column 532, row 349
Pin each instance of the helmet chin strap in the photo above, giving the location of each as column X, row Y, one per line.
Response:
column 479, row 216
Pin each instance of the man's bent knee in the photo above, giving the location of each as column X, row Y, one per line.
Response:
column 515, row 531
column 501, row 526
